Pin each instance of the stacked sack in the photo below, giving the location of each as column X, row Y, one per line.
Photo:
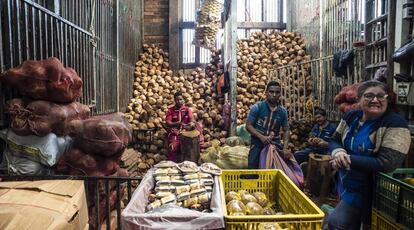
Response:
column 38, row 136
column 347, row 98
column 98, row 143
column 232, row 155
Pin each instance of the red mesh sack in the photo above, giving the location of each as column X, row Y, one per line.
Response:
column 45, row 80
column 76, row 162
column 18, row 116
column 352, row 93
column 42, row 117
column 101, row 135
column 49, row 117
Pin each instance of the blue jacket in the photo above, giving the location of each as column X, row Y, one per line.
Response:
column 323, row 133
column 378, row 145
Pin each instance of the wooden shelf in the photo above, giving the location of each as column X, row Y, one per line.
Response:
column 379, row 42
column 378, row 19
column 375, row 65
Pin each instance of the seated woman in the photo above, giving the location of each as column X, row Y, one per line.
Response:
column 368, row 140
column 178, row 117
column 318, row 138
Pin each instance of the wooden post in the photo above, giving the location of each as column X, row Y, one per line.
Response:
column 280, row 11
column 392, row 7
column 116, row 44
column 233, row 66
column 173, row 37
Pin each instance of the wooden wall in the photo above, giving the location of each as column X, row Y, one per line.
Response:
column 156, row 18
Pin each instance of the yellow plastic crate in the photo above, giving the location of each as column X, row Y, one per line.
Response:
column 301, row 212
column 380, row 222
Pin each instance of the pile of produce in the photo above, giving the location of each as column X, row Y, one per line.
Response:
column 208, row 24
column 299, row 134
column 347, row 98
column 154, row 89
column 409, row 180
column 184, row 184
column 261, row 53
column 243, row 203
column 137, row 163
column 155, row 85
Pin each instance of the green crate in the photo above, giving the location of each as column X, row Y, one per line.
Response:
column 380, row 222
column 395, row 198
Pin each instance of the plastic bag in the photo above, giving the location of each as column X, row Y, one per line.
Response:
column 381, row 74
column 268, row 211
column 253, row 208
column 404, row 53
column 19, row 165
column 246, row 198
column 232, row 195
column 236, row 208
column 261, row 198
column 242, row 132
column 211, row 154
column 234, row 141
column 134, row 216
column 46, row 150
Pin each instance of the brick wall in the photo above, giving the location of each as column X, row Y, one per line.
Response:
column 156, row 13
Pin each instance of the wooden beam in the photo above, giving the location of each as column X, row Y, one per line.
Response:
column 280, row 11
column 173, row 38
column 233, row 67
column 392, row 9
column 261, row 25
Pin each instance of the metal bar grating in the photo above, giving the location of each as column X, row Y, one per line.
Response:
column 31, row 31
column 325, row 84
column 328, row 26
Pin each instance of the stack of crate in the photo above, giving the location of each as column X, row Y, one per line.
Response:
column 393, row 205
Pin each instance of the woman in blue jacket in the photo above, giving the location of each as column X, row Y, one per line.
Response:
column 368, row 140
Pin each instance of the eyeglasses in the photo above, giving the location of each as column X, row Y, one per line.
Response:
column 371, row 96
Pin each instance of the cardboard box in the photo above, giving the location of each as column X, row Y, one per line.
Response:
column 47, row 204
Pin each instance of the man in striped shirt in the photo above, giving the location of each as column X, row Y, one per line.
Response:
column 264, row 122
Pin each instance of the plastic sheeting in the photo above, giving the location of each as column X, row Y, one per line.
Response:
column 46, row 150
column 19, row 165
column 170, row 217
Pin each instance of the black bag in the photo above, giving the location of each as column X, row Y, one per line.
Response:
column 341, row 60
column 405, row 53
column 402, row 77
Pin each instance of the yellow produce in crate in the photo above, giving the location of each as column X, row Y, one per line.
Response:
column 409, row 180
column 236, row 208
column 294, row 209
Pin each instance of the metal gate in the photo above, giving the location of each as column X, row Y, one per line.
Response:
column 324, row 83
column 101, row 40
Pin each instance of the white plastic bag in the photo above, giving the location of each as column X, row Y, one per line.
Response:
column 134, row 216
column 46, row 150
column 17, row 165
